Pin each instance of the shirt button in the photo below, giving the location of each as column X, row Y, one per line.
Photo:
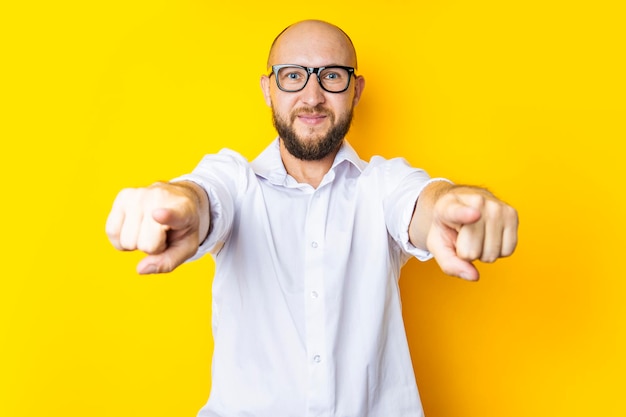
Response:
column 314, row 244
column 317, row 358
column 314, row 294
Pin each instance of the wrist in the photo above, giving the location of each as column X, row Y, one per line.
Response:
column 200, row 199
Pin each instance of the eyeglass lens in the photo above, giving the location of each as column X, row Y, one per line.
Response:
column 294, row 78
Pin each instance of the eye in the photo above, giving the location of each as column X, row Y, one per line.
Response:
column 334, row 75
column 292, row 75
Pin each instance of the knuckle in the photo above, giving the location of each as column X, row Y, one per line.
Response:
column 512, row 214
column 476, row 200
column 126, row 197
column 508, row 251
column 112, row 232
column 489, row 257
column 469, row 254
column 494, row 209
column 480, row 200
column 152, row 239
column 127, row 243
column 151, row 248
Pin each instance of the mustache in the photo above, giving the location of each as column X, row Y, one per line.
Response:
column 318, row 109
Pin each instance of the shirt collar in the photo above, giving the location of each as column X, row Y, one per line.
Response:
column 269, row 164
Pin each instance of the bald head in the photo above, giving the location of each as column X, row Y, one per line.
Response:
column 312, row 43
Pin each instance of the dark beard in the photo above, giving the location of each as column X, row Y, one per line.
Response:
column 314, row 150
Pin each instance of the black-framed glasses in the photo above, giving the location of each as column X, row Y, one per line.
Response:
column 292, row 78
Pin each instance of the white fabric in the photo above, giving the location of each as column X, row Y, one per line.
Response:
column 307, row 318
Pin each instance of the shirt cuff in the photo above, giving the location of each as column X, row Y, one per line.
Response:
column 211, row 244
column 407, row 215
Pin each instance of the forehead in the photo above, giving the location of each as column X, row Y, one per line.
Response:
column 313, row 44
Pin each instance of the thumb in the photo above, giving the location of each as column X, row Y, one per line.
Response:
column 168, row 260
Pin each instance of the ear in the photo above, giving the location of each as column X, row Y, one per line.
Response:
column 358, row 89
column 265, row 87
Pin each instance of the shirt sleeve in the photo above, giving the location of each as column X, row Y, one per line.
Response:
column 222, row 176
column 406, row 184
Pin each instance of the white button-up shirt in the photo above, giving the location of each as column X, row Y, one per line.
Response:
column 307, row 318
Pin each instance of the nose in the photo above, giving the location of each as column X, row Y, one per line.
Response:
column 312, row 94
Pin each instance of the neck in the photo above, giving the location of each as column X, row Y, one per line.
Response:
column 307, row 172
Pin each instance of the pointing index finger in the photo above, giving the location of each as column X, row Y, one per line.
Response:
column 455, row 212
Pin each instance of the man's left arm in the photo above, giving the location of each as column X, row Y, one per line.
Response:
column 461, row 224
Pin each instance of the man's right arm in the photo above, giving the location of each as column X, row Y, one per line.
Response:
column 167, row 221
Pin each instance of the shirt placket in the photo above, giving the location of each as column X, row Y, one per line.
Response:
column 315, row 298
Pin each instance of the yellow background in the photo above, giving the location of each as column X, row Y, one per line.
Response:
column 525, row 97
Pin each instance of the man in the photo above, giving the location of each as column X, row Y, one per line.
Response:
column 308, row 242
